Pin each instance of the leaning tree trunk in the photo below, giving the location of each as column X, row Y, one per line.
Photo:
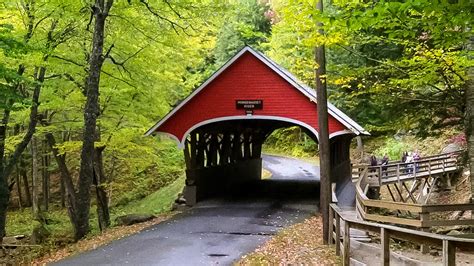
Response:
column 91, row 111
column 66, row 180
column 8, row 164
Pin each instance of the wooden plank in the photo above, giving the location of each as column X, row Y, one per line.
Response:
column 393, row 220
column 385, row 251
column 404, row 233
column 346, row 242
column 447, row 207
column 187, row 156
column 409, row 192
column 331, row 225
column 393, row 205
column 430, row 189
column 399, row 192
column 431, row 223
column 449, row 253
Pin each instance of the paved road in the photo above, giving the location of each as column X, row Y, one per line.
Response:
column 218, row 231
column 290, row 168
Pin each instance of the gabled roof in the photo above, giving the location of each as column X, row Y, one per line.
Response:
column 286, row 75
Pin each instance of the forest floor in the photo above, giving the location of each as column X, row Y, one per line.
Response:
column 298, row 244
column 60, row 243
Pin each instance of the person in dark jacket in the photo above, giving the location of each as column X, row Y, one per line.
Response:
column 384, row 164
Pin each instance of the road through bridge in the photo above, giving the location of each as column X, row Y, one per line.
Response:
column 220, row 230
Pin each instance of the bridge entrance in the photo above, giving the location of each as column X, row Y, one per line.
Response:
column 222, row 125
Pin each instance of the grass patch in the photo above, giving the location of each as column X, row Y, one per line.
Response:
column 155, row 203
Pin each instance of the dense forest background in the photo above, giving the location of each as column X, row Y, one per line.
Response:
column 396, row 67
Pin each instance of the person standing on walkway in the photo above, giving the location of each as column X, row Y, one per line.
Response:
column 404, row 160
column 416, row 158
column 409, row 163
column 384, row 164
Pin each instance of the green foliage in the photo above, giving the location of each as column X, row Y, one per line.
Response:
column 290, row 141
column 392, row 65
column 246, row 25
column 393, row 148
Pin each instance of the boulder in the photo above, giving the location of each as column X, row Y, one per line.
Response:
column 130, row 219
column 454, row 233
column 452, row 147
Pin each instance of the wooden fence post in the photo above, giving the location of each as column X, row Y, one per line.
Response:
column 449, row 253
column 424, row 217
column 346, row 253
column 385, row 252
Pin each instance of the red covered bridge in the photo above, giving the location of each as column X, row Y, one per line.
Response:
column 223, row 124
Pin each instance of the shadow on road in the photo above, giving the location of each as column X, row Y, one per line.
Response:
column 275, row 189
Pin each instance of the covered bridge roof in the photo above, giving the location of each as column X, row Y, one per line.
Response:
column 273, row 94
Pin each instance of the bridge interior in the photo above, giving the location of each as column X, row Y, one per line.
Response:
column 224, row 159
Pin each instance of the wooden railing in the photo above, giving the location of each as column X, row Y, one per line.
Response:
column 337, row 217
column 397, row 171
column 415, row 215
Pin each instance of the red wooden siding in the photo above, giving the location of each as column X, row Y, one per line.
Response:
column 246, row 79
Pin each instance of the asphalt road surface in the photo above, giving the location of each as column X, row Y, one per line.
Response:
column 220, row 231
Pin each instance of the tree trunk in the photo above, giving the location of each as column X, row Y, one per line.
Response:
column 7, row 165
column 45, row 175
column 26, row 182
column 34, row 177
column 62, row 190
column 91, row 111
column 324, row 148
column 18, row 188
column 99, row 182
column 66, row 179
column 4, row 191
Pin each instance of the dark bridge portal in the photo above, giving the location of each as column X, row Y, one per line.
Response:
column 223, row 124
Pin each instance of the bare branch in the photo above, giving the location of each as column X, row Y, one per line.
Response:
column 107, row 54
column 68, row 60
column 119, row 79
column 173, row 24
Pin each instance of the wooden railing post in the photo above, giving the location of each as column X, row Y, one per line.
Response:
column 338, row 234
column 424, row 218
column 398, row 172
column 449, row 253
column 385, row 239
column 346, row 253
column 331, row 227
column 380, row 176
column 429, row 167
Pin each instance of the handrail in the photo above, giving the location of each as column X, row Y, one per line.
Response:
column 419, row 217
column 449, row 243
column 395, row 172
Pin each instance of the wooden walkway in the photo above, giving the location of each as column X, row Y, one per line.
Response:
column 409, row 186
column 399, row 171
column 343, row 221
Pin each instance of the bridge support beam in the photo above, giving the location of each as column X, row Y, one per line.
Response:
column 218, row 160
